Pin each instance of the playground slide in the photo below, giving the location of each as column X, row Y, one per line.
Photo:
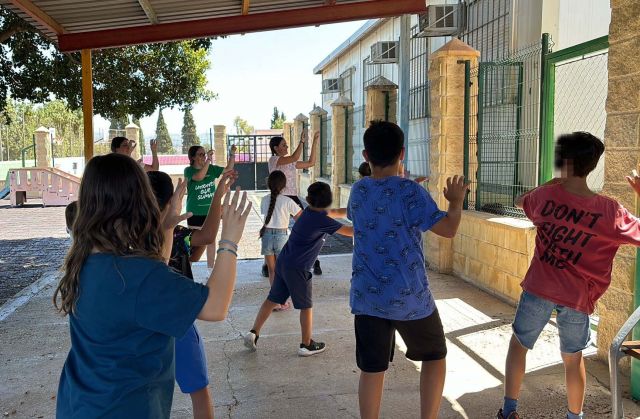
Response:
column 7, row 188
column 54, row 186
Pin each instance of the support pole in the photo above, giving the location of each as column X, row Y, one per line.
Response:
column 87, row 103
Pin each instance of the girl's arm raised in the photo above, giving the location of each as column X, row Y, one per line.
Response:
column 223, row 278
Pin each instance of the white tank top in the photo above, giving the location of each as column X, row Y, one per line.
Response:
column 289, row 171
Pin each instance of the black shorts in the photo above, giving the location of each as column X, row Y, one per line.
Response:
column 291, row 282
column 196, row 220
column 375, row 340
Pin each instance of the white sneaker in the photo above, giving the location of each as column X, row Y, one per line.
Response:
column 311, row 349
column 250, row 340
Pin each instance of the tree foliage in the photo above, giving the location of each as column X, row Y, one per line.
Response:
column 277, row 119
column 133, row 80
column 242, row 126
column 165, row 145
column 189, row 132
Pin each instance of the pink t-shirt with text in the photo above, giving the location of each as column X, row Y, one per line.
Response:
column 576, row 240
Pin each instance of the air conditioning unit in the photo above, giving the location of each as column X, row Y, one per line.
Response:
column 384, row 52
column 441, row 20
column 331, row 86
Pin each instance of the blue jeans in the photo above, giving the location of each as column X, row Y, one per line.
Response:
column 534, row 313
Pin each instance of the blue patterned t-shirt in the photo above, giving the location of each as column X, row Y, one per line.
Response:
column 389, row 278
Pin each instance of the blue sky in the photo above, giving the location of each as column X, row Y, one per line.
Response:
column 252, row 73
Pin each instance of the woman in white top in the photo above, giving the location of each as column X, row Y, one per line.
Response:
column 277, row 208
column 289, row 165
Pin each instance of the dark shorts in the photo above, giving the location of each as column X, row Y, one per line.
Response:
column 294, row 283
column 196, row 220
column 375, row 340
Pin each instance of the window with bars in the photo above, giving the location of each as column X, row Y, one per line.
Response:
column 347, row 84
column 418, row 76
column 488, row 28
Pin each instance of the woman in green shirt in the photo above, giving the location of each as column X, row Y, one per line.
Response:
column 201, row 175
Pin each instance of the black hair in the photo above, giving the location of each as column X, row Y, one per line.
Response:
column 276, row 182
column 275, row 142
column 193, row 150
column 383, row 142
column 364, row 169
column 319, row 195
column 116, row 142
column 581, row 150
column 70, row 214
column 162, row 187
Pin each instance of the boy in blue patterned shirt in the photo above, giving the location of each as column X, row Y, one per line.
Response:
column 389, row 286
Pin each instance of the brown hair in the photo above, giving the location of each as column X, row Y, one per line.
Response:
column 276, row 182
column 117, row 214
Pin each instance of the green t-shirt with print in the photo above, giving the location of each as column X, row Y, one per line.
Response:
column 200, row 192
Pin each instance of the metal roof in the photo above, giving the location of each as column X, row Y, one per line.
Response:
column 77, row 24
column 364, row 30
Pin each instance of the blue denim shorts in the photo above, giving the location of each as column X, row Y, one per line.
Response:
column 273, row 241
column 534, row 313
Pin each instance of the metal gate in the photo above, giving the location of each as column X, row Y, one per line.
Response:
column 252, row 160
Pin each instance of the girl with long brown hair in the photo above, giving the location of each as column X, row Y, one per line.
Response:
column 277, row 208
column 125, row 305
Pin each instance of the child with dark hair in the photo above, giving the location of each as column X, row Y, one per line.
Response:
column 277, row 208
column 578, row 233
column 124, row 146
column 70, row 213
column 364, row 170
column 188, row 245
column 389, row 287
column 293, row 276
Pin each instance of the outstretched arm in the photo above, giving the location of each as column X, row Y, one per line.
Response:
column 155, row 163
column 454, row 192
column 232, row 159
column 337, row 213
column 346, row 231
column 293, row 158
column 200, row 174
column 312, row 158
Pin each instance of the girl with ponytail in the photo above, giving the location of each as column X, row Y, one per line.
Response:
column 277, row 208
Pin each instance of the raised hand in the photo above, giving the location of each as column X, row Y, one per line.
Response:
column 233, row 149
column 234, row 216
column 456, row 189
column 209, row 156
column 316, row 136
column 224, row 185
column 634, row 181
column 173, row 216
column 153, row 144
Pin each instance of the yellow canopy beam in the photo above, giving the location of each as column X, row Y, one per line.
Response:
column 87, row 103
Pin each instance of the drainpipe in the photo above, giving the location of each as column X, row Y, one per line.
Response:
column 405, row 56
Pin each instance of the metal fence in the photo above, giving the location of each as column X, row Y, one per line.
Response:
column 325, row 147
column 418, row 76
column 502, row 117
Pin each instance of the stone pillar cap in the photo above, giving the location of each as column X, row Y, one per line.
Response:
column 382, row 83
column 318, row 111
column 342, row 101
column 43, row 129
column 456, row 47
column 301, row 118
column 131, row 126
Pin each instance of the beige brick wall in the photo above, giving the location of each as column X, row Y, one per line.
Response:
column 345, row 191
column 493, row 252
column 622, row 143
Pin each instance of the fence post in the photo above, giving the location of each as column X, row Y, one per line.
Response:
column 220, row 143
column 340, row 127
column 446, row 149
column 317, row 116
column 382, row 100
column 133, row 134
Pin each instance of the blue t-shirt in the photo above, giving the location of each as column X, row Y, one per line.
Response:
column 306, row 239
column 121, row 361
column 389, row 279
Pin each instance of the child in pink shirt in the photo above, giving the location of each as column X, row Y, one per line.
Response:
column 578, row 235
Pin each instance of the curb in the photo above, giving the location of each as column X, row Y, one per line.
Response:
column 23, row 297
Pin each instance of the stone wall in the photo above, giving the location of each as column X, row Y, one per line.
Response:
column 622, row 143
column 493, row 252
column 345, row 191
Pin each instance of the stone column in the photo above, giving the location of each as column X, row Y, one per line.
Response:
column 43, row 147
column 220, row 144
column 622, row 141
column 317, row 115
column 382, row 101
column 133, row 134
column 446, row 150
column 299, row 123
column 339, row 129
column 287, row 130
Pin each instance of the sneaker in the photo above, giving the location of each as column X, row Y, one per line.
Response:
column 317, row 270
column 250, row 340
column 265, row 271
column 311, row 349
column 512, row 415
